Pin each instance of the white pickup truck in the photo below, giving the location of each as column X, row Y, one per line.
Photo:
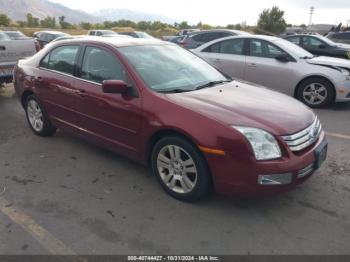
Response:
column 10, row 52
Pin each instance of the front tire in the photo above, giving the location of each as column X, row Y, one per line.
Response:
column 37, row 117
column 181, row 169
column 316, row 92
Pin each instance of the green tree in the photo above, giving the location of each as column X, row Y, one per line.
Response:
column 21, row 23
column 184, row 25
column 32, row 21
column 86, row 26
column 272, row 20
column 64, row 24
column 4, row 20
column 48, row 22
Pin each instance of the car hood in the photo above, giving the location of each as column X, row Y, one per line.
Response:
column 244, row 104
column 329, row 61
column 343, row 46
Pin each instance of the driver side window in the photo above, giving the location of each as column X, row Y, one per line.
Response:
column 260, row 48
column 99, row 65
column 312, row 42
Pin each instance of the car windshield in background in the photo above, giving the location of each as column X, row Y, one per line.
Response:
column 167, row 68
column 3, row 37
column 14, row 35
column 326, row 40
column 293, row 48
column 144, row 35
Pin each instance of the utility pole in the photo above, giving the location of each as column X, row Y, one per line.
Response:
column 312, row 10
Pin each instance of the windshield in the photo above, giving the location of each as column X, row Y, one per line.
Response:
column 293, row 49
column 144, row 35
column 166, row 67
column 3, row 37
column 326, row 40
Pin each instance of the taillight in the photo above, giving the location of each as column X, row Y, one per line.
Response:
column 37, row 45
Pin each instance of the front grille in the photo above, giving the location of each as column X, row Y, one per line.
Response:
column 304, row 138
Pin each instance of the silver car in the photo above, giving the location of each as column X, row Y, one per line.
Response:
column 281, row 65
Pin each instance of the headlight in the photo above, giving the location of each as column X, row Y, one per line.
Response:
column 264, row 145
column 345, row 72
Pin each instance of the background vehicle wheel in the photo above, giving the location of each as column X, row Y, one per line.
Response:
column 180, row 169
column 316, row 92
column 37, row 117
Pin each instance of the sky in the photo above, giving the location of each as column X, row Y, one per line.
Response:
column 223, row 12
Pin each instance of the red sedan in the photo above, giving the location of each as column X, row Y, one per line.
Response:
column 164, row 106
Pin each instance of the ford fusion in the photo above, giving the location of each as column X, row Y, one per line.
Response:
column 161, row 105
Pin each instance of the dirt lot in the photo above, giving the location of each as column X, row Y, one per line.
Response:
column 63, row 195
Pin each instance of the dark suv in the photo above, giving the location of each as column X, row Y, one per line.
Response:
column 340, row 37
column 194, row 40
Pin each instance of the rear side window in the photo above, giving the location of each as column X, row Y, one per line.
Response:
column 233, row 46
column 294, row 40
column 207, row 37
column 61, row 59
column 99, row 65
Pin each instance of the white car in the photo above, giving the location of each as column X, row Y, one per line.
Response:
column 282, row 66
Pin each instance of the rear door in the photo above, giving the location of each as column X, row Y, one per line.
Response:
column 263, row 68
column 228, row 56
column 55, row 83
column 111, row 119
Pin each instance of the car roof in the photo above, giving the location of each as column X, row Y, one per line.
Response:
column 219, row 30
column 50, row 32
column 116, row 41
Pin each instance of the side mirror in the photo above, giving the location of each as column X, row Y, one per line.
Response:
column 322, row 46
column 282, row 58
column 114, row 87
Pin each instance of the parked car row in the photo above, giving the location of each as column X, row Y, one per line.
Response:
column 281, row 65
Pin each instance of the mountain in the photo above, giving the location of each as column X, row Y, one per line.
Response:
column 136, row 16
column 17, row 10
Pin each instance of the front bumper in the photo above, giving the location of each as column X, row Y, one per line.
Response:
column 243, row 177
column 343, row 91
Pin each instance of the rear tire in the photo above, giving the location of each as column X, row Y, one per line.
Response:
column 37, row 117
column 316, row 92
column 181, row 169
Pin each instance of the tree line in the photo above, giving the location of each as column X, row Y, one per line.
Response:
column 270, row 20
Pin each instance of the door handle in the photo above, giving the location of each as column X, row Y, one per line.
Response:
column 81, row 92
column 252, row 65
column 2, row 48
column 38, row 79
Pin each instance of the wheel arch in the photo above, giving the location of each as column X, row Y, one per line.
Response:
column 24, row 97
column 164, row 133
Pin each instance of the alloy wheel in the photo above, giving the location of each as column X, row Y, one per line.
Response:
column 177, row 169
column 315, row 93
column 35, row 116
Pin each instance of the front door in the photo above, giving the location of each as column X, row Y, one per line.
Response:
column 264, row 69
column 111, row 119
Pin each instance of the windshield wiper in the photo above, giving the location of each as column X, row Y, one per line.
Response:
column 308, row 57
column 212, row 83
column 176, row 90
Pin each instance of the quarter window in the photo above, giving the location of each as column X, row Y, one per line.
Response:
column 100, row 65
column 61, row 59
